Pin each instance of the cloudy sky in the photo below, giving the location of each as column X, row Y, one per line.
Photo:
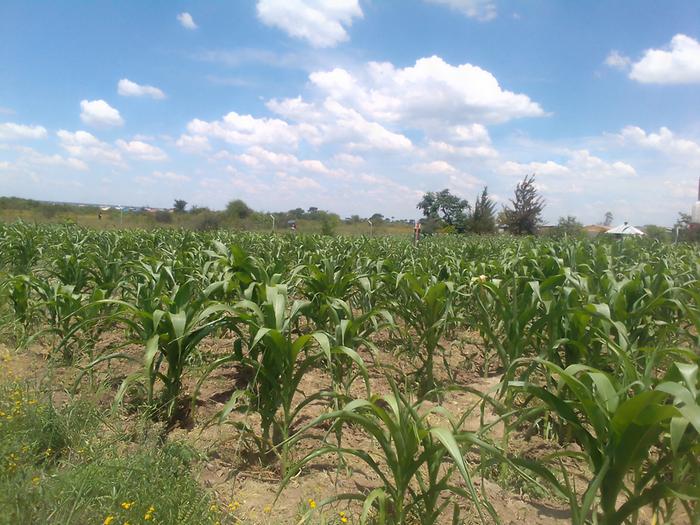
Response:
column 356, row 106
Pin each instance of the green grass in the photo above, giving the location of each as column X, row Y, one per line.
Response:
column 64, row 465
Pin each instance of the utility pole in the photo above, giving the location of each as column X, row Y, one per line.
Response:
column 273, row 223
column 371, row 228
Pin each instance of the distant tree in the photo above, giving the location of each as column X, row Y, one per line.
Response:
column 657, row 232
column 196, row 210
column 449, row 208
column 608, row 218
column 296, row 213
column 313, row 209
column 377, row 218
column 179, row 205
column 329, row 222
column 525, row 212
column 483, row 218
column 238, row 209
column 568, row 226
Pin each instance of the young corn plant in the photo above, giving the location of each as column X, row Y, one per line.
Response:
column 276, row 358
column 170, row 335
column 425, row 306
column 636, row 437
column 420, row 465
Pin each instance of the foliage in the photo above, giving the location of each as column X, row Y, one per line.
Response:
column 568, row 226
column 179, row 205
column 483, row 219
column 442, row 205
column 163, row 217
column 525, row 212
column 238, row 209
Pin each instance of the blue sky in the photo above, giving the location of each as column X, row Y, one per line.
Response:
column 355, row 106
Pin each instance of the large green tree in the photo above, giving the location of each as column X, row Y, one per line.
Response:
column 525, row 211
column 238, row 209
column 450, row 209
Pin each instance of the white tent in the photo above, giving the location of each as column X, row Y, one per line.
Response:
column 625, row 229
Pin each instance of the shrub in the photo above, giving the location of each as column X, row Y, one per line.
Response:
column 163, row 217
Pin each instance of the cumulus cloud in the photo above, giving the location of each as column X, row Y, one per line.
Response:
column 84, row 145
column 193, row 143
column 429, row 93
column 348, row 159
column 678, row 63
column 579, row 164
column 664, row 141
column 12, row 131
column 127, row 88
column 170, row 176
column 483, row 10
column 100, row 114
column 260, row 158
column 246, row 130
column 435, row 167
column 616, row 60
column 141, row 150
column 186, row 21
column 322, row 23
column 29, row 157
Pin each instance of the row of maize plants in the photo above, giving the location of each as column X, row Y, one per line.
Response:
column 595, row 344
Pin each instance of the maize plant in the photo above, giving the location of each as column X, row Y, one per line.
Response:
column 420, row 465
column 276, row 362
column 635, row 437
column 425, row 306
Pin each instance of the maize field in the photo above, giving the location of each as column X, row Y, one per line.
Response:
column 319, row 379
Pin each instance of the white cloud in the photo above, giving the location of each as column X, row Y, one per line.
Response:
column 483, row 10
column 579, row 164
column 186, row 21
column 29, row 157
column 12, row 131
column 99, row 113
column 127, row 88
column 170, row 176
column 664, row 141
column 84, row 145
column 322, row 23
column 331, row 121
column 193, row 143
column 617, row 60
column 347, row 158
column 678, row 64
column 435, row 167
column 246, row 130
column 431, row 93
column 291, row 182
column 142, row 150
column 257, row 157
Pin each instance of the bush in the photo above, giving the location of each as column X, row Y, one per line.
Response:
column 208, row 221
column 238, row 209
column 163, row 217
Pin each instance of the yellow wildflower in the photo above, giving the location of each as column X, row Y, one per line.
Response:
column 36, row 480
column 127, row 505
column 312, row 503
column 108, row 520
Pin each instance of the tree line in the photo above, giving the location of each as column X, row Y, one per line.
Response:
column 446, row 212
